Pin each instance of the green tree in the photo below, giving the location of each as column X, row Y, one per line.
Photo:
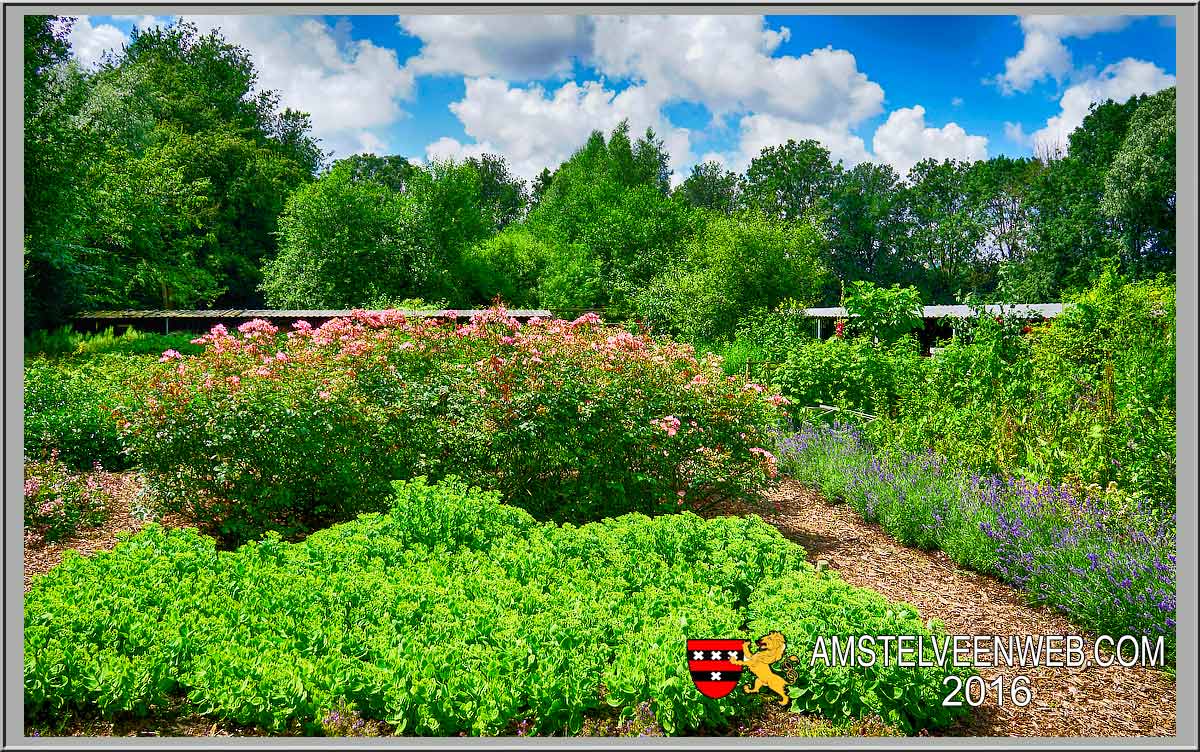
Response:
column 175, row 169
column 710, row 187
column 1072, row 238
column 790, row 181
column 943, row 229
column 864, row 223
column 608, row 207
column 1139, row 187
column 733, row 266
column 341, row 243
column 392, row 171
column 502, row 193
column 56, row 159
column 349, row 238
column 540, row 184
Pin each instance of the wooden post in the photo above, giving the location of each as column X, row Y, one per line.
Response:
column 818, row 327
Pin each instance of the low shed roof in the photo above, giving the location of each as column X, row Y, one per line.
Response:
column 1029, row 310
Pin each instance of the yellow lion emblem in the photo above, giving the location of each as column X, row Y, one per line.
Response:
column 771, row 648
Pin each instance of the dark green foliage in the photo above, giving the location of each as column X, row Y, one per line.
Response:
column 865, row 222
column 711, row 187
column 55, row 162
column 69, row 405
column 503, row 195
column 156, row 180
column 790, row 182
column 1139, row 188
column 612, row 226
column 452, row 613
column 943, row 230
column 394, row 172
column 353, row 236
column 734, row 265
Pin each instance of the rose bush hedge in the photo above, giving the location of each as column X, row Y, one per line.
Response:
column 569, row 420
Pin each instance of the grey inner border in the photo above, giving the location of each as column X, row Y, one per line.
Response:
column 1186, row 328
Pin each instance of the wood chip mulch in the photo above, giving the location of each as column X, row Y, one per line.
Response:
column 1091, row 701
column 126, row 514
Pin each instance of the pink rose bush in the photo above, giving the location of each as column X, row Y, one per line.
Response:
column 571, row 420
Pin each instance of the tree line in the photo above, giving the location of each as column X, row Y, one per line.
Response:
column 165, row 178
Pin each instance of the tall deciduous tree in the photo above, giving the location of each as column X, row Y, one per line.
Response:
column 865, row 215
column 608, row 207
column 943, row 229
column 55, row 163
column 1139, row 188
column 790, row 181
column 710, row 186
column 502, row 193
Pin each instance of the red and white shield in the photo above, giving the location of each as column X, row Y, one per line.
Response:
column 712, row 672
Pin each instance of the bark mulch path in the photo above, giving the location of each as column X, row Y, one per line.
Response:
column 125, row 515
column 1091, row 701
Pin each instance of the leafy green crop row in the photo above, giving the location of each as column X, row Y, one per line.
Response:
column 452, row 613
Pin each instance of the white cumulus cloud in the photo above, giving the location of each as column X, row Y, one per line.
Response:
column 905, row 139
column 1044, row 54
column 1117, row 82
column 516, row 48
column 726, row 62
column 89, row 43
column 535, row 128
column 1015, row 132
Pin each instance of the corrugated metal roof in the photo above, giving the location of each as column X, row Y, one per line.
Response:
column 239, row 313
column 1031, row 310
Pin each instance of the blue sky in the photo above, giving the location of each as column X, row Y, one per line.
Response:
column 884, row 88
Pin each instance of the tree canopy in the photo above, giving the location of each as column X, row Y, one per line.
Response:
column 167, row 177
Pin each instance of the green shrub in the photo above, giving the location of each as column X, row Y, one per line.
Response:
column 569, row 420
column 1088, row 397
column 883, row 314
column 69, row 405
column 66, row 341
column 348, row 237
column 453, row 613
column 854, row 374
column 509, row 266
